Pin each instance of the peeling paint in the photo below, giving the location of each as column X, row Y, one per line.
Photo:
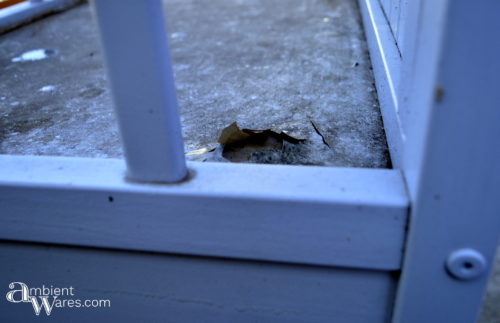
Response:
column 34, row 55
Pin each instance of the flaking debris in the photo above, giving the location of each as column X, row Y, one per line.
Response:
column 249, row 145
column 233, row 134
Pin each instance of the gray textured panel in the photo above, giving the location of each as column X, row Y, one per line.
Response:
column 154, row 288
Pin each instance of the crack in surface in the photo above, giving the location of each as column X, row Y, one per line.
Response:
column 319, row 133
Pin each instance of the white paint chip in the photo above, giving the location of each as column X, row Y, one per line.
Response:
column 47, row 88
column 34, row 55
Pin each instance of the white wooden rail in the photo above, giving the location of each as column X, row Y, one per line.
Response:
column 437, row 84
column 453, row 168
column 142, row 84
column 314, row 215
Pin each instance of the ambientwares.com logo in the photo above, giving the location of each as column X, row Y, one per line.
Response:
column 50, row 297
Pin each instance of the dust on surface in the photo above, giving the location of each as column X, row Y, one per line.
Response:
column 262, row 63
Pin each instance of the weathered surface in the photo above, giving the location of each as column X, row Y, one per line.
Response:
column 490, row 313
column 264, row 64
column 59, row 105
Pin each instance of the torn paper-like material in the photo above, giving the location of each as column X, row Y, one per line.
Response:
column 233, row 134
column 242, row 145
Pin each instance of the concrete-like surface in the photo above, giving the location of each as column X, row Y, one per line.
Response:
column 490, row 312
column 262, row 63
column 74, row 117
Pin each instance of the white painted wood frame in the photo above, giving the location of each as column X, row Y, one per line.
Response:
column 438, row 91
column 311, row 215
column 338, row 229
column 451, row 159
column 341, row 231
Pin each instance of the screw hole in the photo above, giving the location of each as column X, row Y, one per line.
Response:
column 468, row 265
column 110, row 199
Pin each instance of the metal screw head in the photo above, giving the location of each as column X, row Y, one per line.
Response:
column 466, row 264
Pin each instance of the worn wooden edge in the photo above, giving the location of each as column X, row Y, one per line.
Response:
column 313, row 215
column 386, row 63
column 8, row 3
column 26, row 11
column 452, row 161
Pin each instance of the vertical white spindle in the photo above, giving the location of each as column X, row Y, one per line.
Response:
column 134, row 38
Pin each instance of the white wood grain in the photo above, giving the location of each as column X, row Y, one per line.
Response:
column 166, row 288
column 386, row 62
column 316, row 215
column 452, row 158
column 134, row 42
